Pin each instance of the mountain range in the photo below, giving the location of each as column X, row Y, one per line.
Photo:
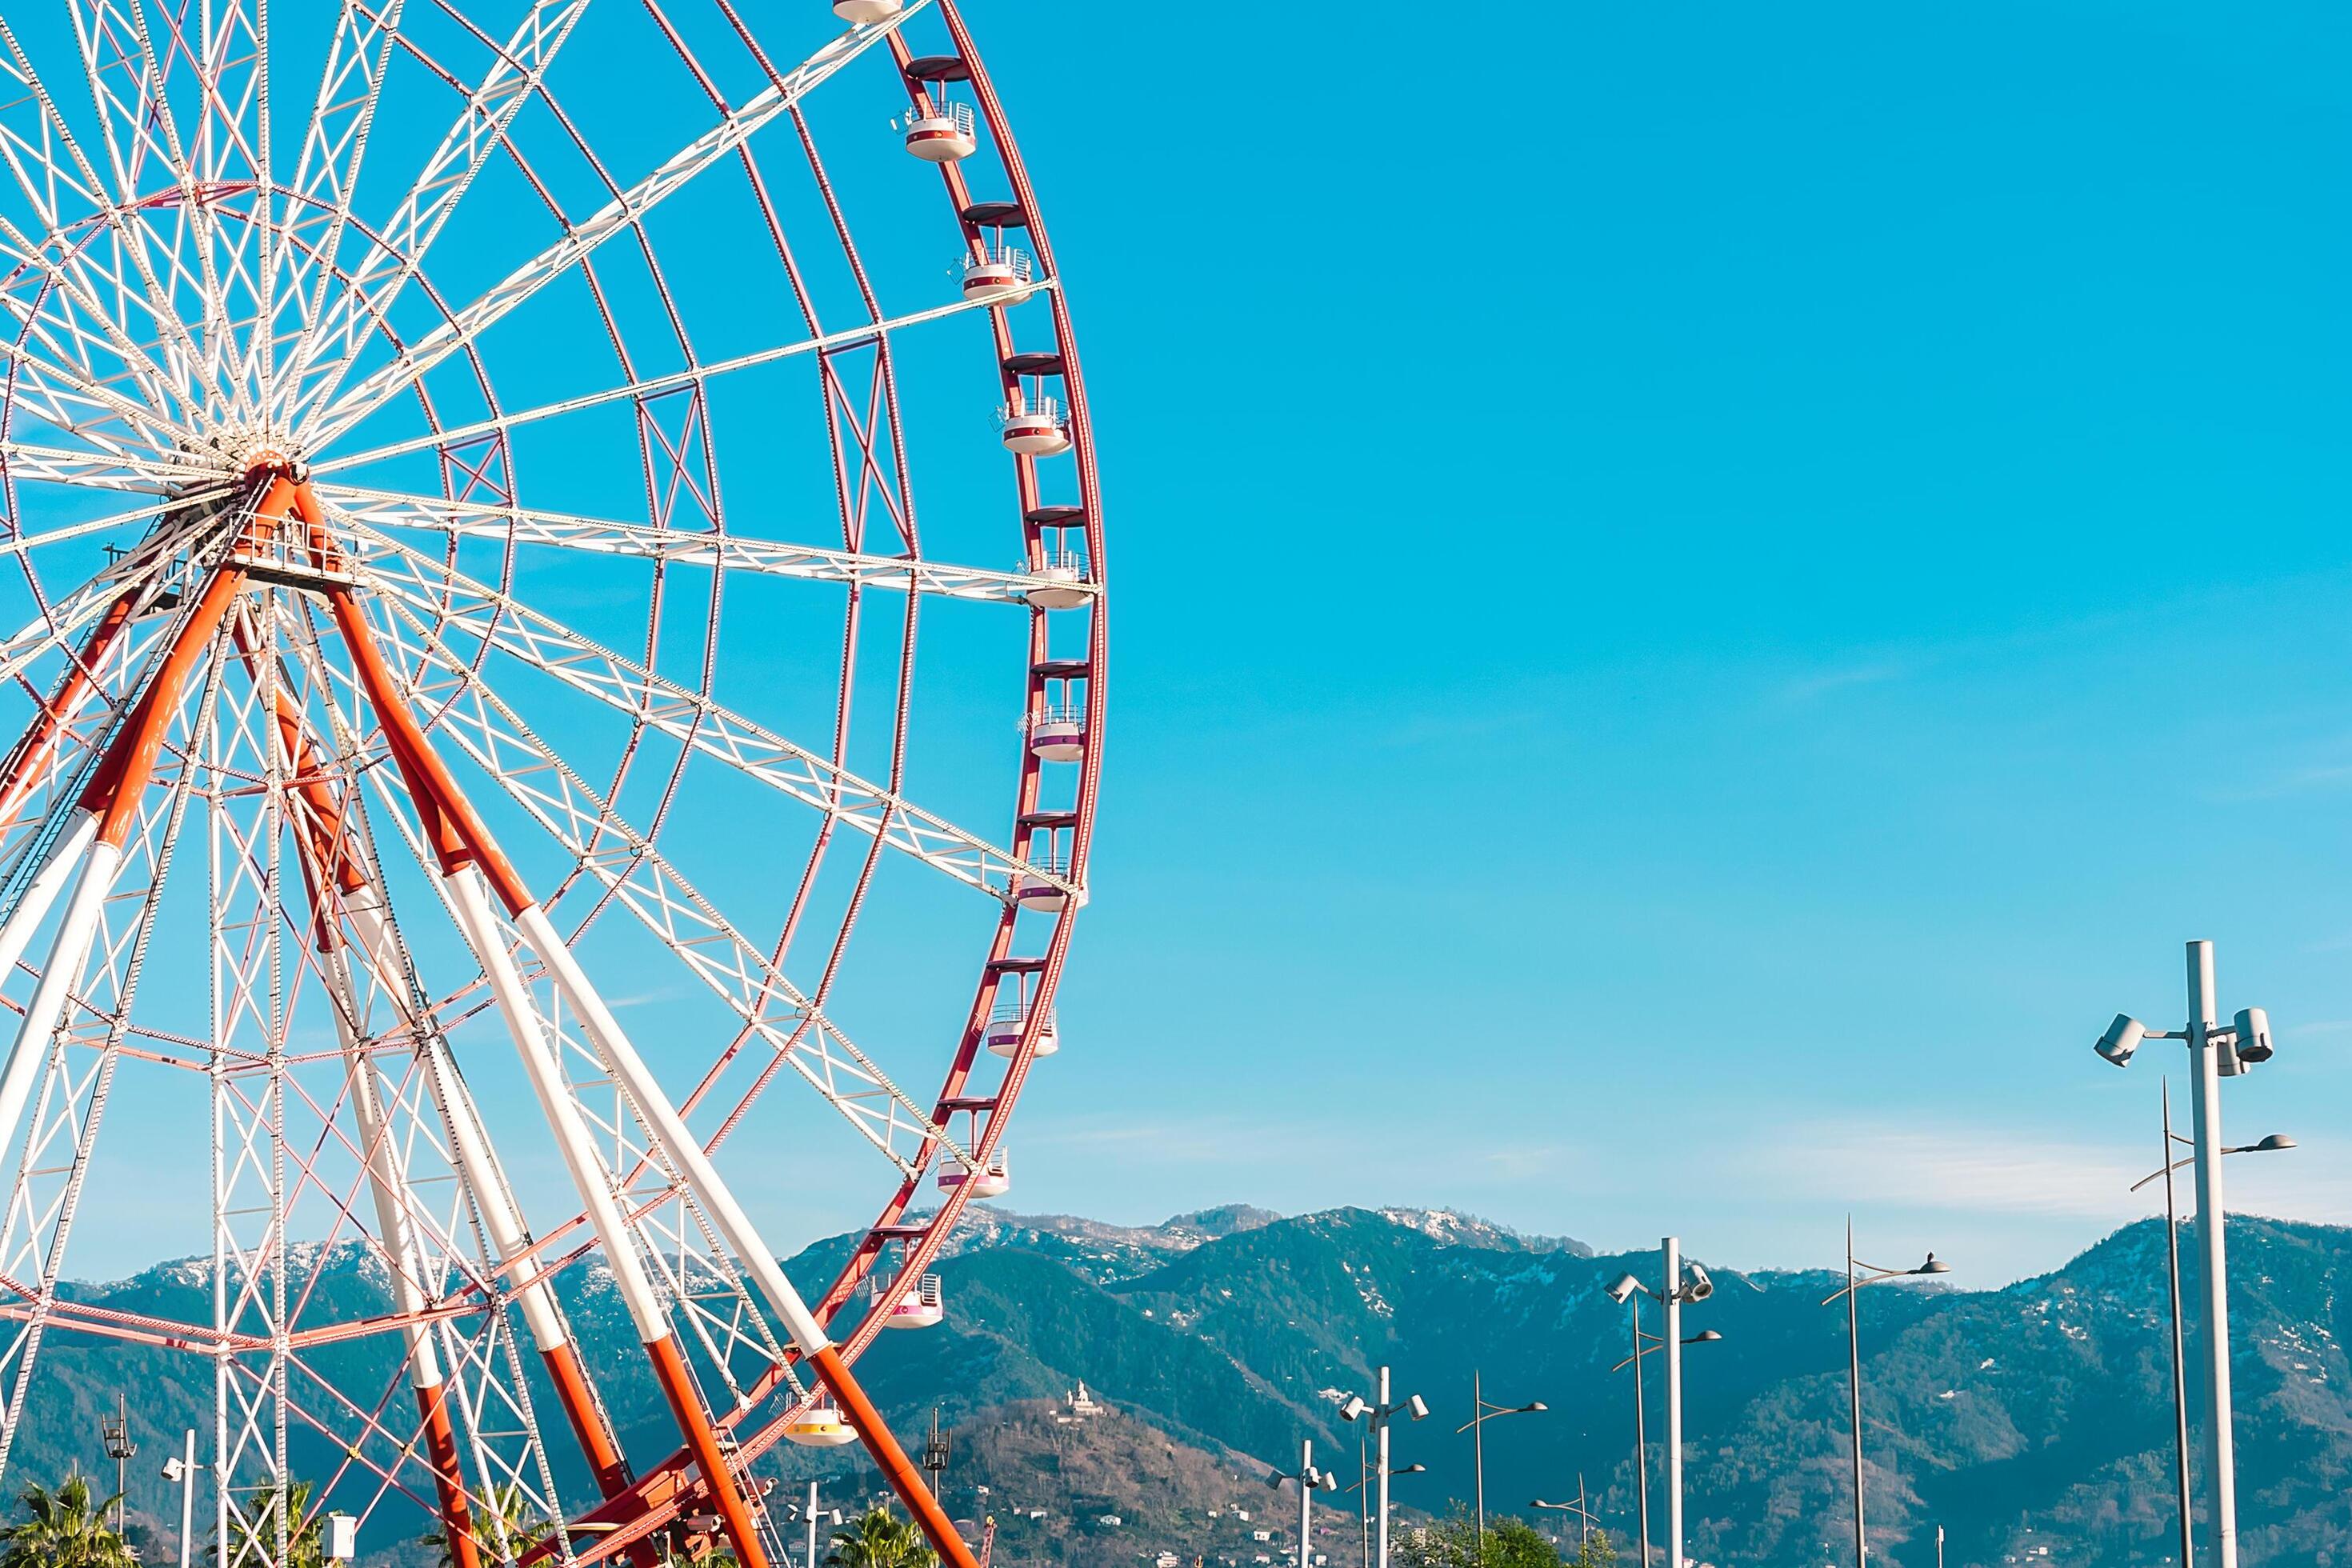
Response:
column 2031, row 1423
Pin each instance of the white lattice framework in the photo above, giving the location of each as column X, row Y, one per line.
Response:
column 468, row 579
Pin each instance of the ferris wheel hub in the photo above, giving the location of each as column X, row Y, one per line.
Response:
column 255, row 452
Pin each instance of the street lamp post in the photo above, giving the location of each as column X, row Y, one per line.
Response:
column 115, row 1433
column 1364, row 1490
column 1366, row 1486
column 1675, row 1290
column 181, row 1472
column 2272, row 1145
column 1583, row 1515
column 2215, row 1052
column 1649, row 1344
column 1378, row 1416
column 1477, row 1427
column 1310, row 1480
column 814, row 1516
column 1640, row 1436
column 1857, row 1275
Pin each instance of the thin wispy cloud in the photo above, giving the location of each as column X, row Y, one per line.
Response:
column 1821, row 683
column 1966, row 1170
column 1300, row 1148
column 2314, row 779
column 644, row 998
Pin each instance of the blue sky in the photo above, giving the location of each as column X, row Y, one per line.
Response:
column 1687, row 623
column 1691, row 621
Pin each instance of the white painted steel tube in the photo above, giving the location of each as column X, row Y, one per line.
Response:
column 1670, row 1251
column 41, row 892
column 471, row 903
column 2220, row 1475
column 69, row 952
column 470, row 1152
column 668, row 1130
column 1381, row 1474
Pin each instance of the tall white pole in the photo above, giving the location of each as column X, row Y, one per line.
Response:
column 1671, row 1251
column 1305, row 1492
column 188, row 1499
column 1478, row 1455
column 812, row 1524
column 2180, row 1355
column 1853, row 1391
column 1380, row 1471
column 2220, row 1451
column 1640, row 1435
column 1364, row 1497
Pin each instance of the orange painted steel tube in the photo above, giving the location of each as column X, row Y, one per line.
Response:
column 112, row 793
column 579, row 1403
column 892, row 1460
column 441, row 1444
column 686, row 1404
column 39, row 742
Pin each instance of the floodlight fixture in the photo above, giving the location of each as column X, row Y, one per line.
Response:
column 2122, row 1038
column 2253, row 1028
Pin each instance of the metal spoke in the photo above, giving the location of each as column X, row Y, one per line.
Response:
column 654, row 385
column 504, row 622
column 723, row 551
column 401, row 244
column 627, row 864
column 322, row 426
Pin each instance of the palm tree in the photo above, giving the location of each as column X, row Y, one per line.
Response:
column 64, row 1529
column 514, row 1509
column 879, row 1539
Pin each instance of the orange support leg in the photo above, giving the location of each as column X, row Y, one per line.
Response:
column 892, row 1460
column 686, row 1404
column 39, row 742
column 441, row 1444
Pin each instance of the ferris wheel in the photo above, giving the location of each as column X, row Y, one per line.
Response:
column 461, row 467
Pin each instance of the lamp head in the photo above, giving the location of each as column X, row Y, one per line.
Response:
column 2273, row 1143
column 1327, row 1481
column 1622, row 1290
column 175, row 1470
column 1274, row 1481
column 1410, row 1471
column 1705, row 1337
column 1697, row 1284
column 1353, row 1409
column 2227, row 1062
column 1532, row 1406
column 1934, row 1265
column 2122, row 1038
column 1415, row 1406
column 2255, row 1044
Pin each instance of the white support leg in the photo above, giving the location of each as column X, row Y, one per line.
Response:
column 387, row 1184
column 669, row 1132
column 470, row 1152
column 69, row 952
column 472, row 902
column 41, row 893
